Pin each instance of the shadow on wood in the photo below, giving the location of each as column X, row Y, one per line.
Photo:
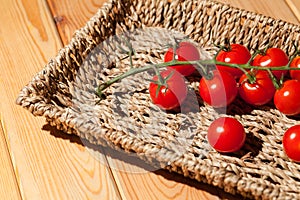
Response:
column 134, row 160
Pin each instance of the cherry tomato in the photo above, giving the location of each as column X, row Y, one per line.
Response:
column 185, row 51
column 286, row 98
column 226, row 135
column 219, row 91
column 237, row 54
column 295, row 74
column 260, row 92
column 291, row 143
column 273, row 57
column 172, row 94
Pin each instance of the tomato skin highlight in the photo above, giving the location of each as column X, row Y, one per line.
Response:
column 238, row 54
column 219, row 91
column 258, row 93
column 295, row 74
column 286, row 98
column 173, row 95
column 186, row 51
column 226, row 134
column 291, row 143
column 273, row 57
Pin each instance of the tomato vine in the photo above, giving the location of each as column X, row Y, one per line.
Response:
column 203, row 66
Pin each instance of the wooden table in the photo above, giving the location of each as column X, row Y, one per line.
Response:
column 37, row 162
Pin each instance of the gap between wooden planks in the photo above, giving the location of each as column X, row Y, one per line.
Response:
column 39, row 162
column 134, row 182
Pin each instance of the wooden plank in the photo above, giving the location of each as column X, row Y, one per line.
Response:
column 295, row 7
column 9, row 187
column 70, row 15
column 48, row 164
column 277, row 9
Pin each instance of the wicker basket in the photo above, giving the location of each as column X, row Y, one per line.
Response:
column 63, row 92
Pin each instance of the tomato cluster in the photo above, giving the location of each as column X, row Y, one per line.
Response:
column 257, row 84
column 254, row 86
column 259, row 87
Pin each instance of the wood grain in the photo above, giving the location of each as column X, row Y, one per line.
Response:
column 295, row 7
column 277, row 9
column 48, row 164
column 9, row 186
column 70, row 15
column 137, row 180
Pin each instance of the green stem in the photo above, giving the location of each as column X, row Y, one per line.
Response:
column 253, row 56
column 199, row 64
column 274, row 79
column 159, row 76
column 130, row 72
column 130, row 58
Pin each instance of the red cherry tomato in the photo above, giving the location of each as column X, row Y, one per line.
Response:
column 185, row 51
column 173, row 95
column 258, row 93
column 273, row 57
column 287, row 98
column 295, row 74
column 219, row 91
column 237, row 54
column 226, row 135
column 291, row 143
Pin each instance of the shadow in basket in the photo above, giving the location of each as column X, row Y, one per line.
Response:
column 138, row 162
column 251, row 148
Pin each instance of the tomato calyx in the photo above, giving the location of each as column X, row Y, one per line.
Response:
column 226, row 47
column 273, row 58
column 235, row 54
column 170, row 95
column 259, row 92
column 251, row 78
column 161, row 81
column 263, row 52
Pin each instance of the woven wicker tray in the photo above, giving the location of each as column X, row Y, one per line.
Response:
column 63, row 92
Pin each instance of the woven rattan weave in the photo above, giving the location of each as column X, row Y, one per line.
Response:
column 64, row 93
